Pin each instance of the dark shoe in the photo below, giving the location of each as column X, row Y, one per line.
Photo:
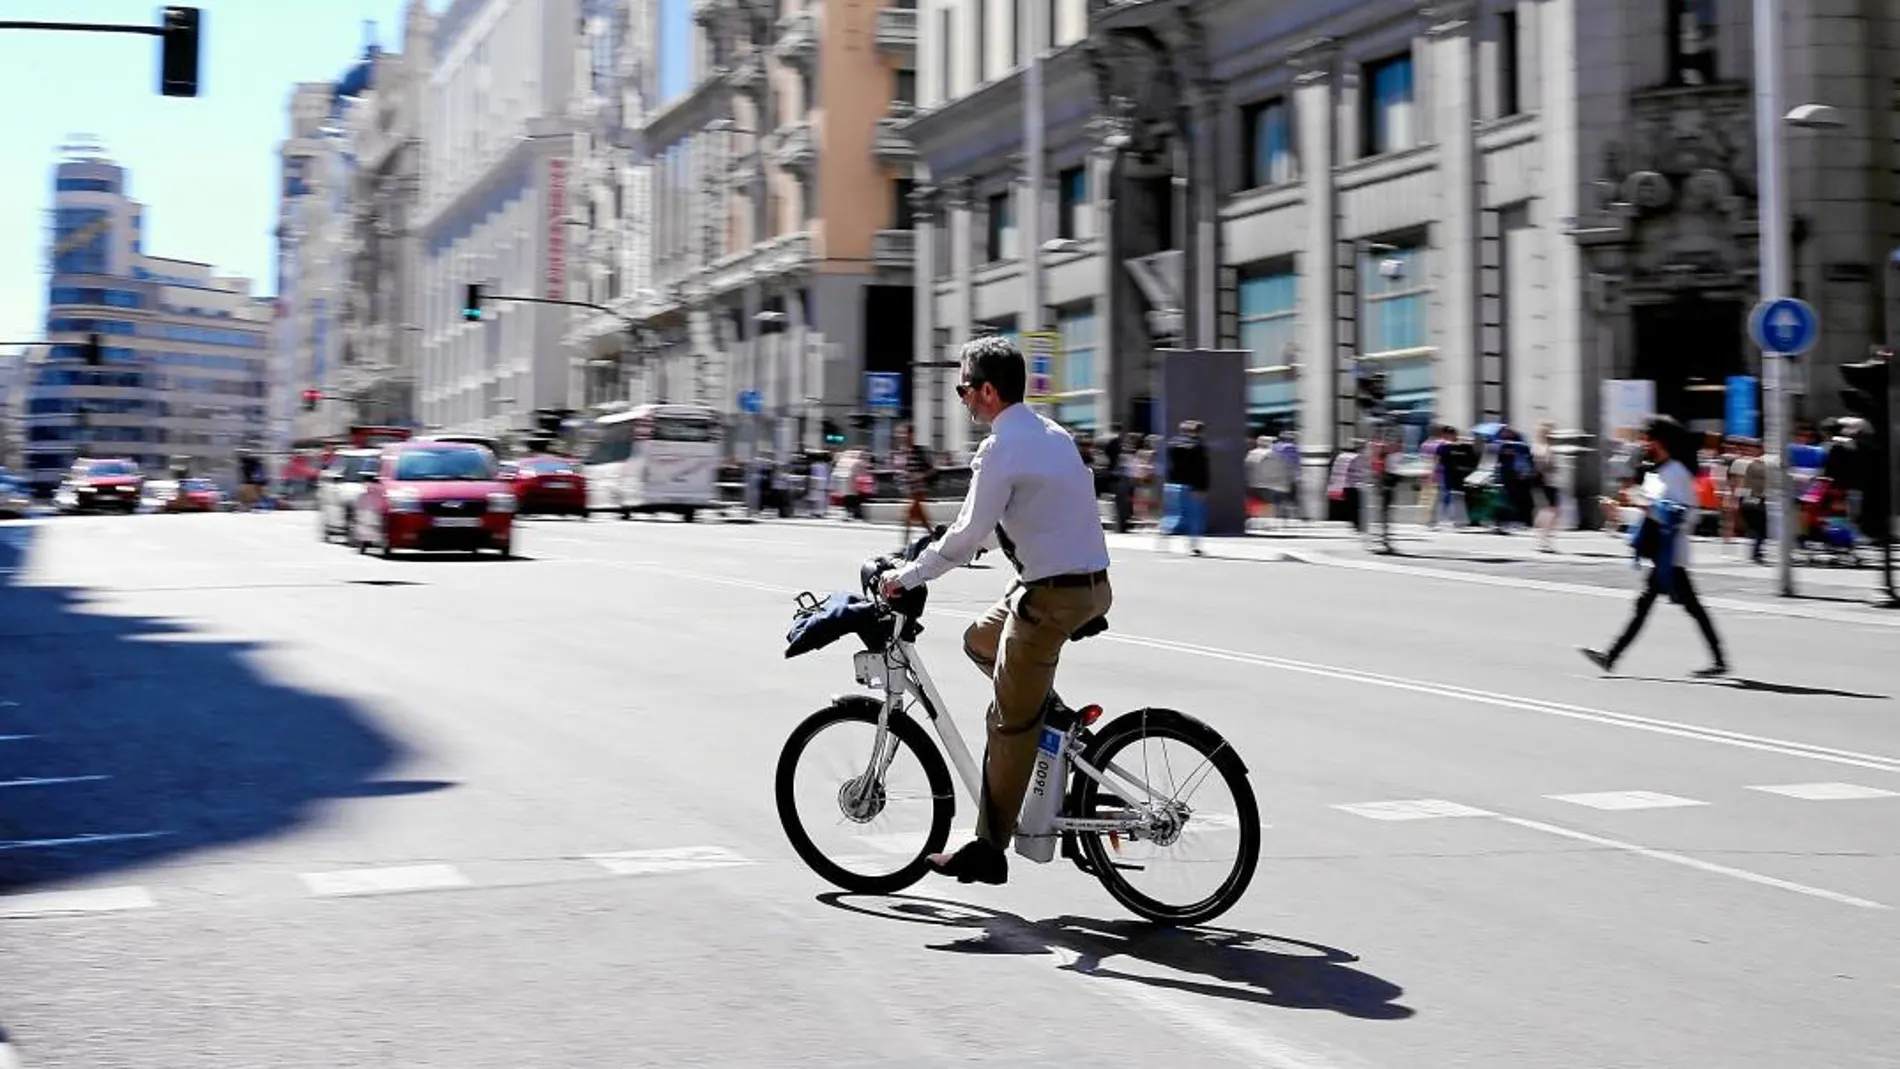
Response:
column 978, row 861
column 1597, row 657
column 1719, row 668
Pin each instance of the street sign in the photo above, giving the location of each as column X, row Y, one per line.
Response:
column 1743, row 415
column 1784, row 325
column 883, row 391
column 751, row 401
column 1041, row 346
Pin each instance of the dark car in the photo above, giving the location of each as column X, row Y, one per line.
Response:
column 431, row 495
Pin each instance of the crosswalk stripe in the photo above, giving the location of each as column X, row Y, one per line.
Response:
column 382, row 881
column 85, row 900
column 1412, row 809
column 673, row 859
column 1827, row 792
column 1625, row 800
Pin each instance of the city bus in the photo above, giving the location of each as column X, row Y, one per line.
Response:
column 654, row 458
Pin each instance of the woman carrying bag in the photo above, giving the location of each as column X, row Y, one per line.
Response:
column 1669, row 498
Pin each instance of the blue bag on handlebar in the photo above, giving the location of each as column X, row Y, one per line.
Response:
column 841, row 614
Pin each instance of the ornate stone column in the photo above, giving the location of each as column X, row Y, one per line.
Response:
column 1315, row 62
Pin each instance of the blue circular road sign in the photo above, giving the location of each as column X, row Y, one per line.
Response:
column 1784, row 325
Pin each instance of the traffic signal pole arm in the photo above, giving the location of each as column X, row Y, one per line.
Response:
column 178, row 33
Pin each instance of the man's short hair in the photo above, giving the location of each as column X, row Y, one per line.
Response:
column 996, row 360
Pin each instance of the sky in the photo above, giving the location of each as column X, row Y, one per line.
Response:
column 204, row 167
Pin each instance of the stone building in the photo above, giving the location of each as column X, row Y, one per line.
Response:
column 1500, row 205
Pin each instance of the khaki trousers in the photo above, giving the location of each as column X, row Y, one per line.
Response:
column 1017, row 644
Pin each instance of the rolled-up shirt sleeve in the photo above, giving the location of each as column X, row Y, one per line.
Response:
column 982, row 509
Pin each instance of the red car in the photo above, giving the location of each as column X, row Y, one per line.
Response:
column 548, row 486
column 195, row 495
column 103, row 484
column 435, row 495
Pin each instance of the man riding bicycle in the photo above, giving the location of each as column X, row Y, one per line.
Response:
column 1029, row 484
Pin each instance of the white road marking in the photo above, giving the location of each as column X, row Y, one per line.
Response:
column 1786, row 747
column 1412, row 809
column 1827, row 792
column 1696, row 863
column 87, row 900
column 14, row 738
column 1625, row 800
column 49, row 781
column 1759, row 608
column 393, row 880
column 1194, row 1017
column 8, row 1059
column 675, row 859
column 78, row 840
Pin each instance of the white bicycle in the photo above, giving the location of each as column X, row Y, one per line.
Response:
column 887, row 798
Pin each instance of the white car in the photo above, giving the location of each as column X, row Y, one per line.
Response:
column 338, row 489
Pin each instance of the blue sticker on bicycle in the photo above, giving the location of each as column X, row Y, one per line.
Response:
column 1051, row 741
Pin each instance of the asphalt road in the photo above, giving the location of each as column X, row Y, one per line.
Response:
column 267, row 802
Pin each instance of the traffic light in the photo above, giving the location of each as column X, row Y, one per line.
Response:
column 310, row 399
column 1867, row 396
column 178, row 52
column 472, row 302
column 93, row 350
column 834, row 435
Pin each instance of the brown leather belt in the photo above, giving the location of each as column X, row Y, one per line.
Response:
column 1072, row 579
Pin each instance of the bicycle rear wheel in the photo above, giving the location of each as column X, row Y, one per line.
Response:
column 863, row 821
column 1139, row 871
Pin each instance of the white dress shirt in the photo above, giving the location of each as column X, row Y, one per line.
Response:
column 1029, row 477
column 1672, row 481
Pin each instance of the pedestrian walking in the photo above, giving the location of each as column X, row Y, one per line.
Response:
column 1668, row 497
column 1185, row 497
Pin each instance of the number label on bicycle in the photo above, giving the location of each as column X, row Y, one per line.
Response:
column 869, row 665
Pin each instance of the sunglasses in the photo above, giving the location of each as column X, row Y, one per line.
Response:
column 965, row 389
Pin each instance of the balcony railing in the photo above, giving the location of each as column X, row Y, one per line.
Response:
column 897, row 30
column 796, row 150
column 894, row 248
column 892, row 145
column 798, row 37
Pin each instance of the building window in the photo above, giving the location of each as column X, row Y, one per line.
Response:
column 808, row 88
column 1388, row 107
column 902, row 218
column 982, row 41
column 84, row 185
column 1001, row 243
column 1691, row 42
column 1510, row 99
column 1397, row 287
column 904, row 90
column 1072, row 190
column 1269, row 301
column 1016, row 33
column 1074, row 373
column 947, row 55
column 80, row 237
column 1268, row 138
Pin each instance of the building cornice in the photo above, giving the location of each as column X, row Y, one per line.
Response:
column 987, row 123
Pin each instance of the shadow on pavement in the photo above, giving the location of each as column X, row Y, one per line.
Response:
column 1791, row 690
column 126, row 740
column 1242, row 966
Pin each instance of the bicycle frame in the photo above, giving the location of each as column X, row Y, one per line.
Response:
column 904, row 676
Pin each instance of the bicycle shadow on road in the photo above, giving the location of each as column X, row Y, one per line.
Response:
column 128, row 740
column 1242, row 966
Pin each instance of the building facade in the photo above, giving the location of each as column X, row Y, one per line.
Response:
column 313, row 263
column 379, row 313
column 1500, row 204
column 497, row 208
column 781, row 212
column 185, row 352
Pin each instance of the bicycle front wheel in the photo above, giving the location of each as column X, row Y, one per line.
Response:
column 864, row 817
column 1202, row 842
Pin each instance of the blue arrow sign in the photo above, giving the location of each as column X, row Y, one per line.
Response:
column 751, row 401
column 1784, row 326
column 883, row 390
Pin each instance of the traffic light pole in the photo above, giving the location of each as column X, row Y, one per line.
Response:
column 178, row 34
column 473, row 311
